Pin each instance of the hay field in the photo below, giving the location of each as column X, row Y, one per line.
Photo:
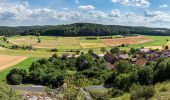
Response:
column 127, row 40
column 154, row 47
column 46, row 42
column 7, row 61
column 92, row 45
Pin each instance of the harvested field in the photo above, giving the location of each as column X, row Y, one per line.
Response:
column 155, row 47
column 1, row 48
column 168, row 44
column 7, row 61
column 92, row 45
column 45, row 42
column 127, row 40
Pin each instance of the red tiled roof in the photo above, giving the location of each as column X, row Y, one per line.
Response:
column 141, row 62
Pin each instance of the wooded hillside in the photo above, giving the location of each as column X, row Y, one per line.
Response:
column 82, row 29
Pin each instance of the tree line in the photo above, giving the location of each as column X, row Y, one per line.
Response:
column 81, row 29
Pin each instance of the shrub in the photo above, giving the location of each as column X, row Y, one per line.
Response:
column 115, row 92
column 16, row 79
column 54, row 50
column 144, row 92
column 99, row 95
column 115, row 50
column 167, row 47
column 16, row 76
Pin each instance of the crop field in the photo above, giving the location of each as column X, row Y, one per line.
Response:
column 75, row 42
column 127, row 40
column 7, row 61
column 92, row 45
column 50, row 42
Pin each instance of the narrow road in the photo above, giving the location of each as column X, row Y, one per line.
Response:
column 39, row 88
column 32, row 88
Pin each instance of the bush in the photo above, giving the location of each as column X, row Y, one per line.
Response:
column 54, row 50
column 115, row 50
column 144, row 92
column 99, row 95
column 16, row 79
column 115, row 92
column 15, row 47
column 16, row 76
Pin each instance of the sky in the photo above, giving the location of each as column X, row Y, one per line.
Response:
column 150, row 13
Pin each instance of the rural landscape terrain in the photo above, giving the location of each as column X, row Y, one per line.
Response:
column 84, row 50
column 100, row 67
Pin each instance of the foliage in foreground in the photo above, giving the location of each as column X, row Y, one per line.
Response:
column 7, row 93
column 52, row 72
column 142, row 93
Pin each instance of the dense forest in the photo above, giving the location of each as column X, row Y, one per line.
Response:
column 82, row 29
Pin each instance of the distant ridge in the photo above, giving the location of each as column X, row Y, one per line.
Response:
column 82, row 29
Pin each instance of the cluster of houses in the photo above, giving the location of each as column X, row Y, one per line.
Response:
column 140, row 58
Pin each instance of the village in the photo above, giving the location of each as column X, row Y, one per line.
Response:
column 140, row 56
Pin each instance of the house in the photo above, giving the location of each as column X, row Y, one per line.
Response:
column 109, row 57
column 123, row 56
column 82, row 63
column 101, row 55
column 153, row 57
column 141, row 61
column 133, row 60
column 144, row 50
column 94, row 55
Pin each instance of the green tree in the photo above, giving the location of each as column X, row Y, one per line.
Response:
column 103, row 49
column 123, row 67
column 145, row 75
column 115, row 50
column 91, row 51
column 16, row 76
column 166, row 47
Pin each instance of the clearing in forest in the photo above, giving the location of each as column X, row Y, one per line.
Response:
column 7, row 61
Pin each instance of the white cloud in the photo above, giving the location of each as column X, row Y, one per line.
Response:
column 163, row 6
column 77, row 1
column 115, row 13
column 134, row 3
column 86, row 7
column 20, row 14
column 141, row 3
column 120, row 1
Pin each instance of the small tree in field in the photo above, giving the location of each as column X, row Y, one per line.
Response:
column 166, row 47
column 4, row 38
column 39, row 40
column 103, row 49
